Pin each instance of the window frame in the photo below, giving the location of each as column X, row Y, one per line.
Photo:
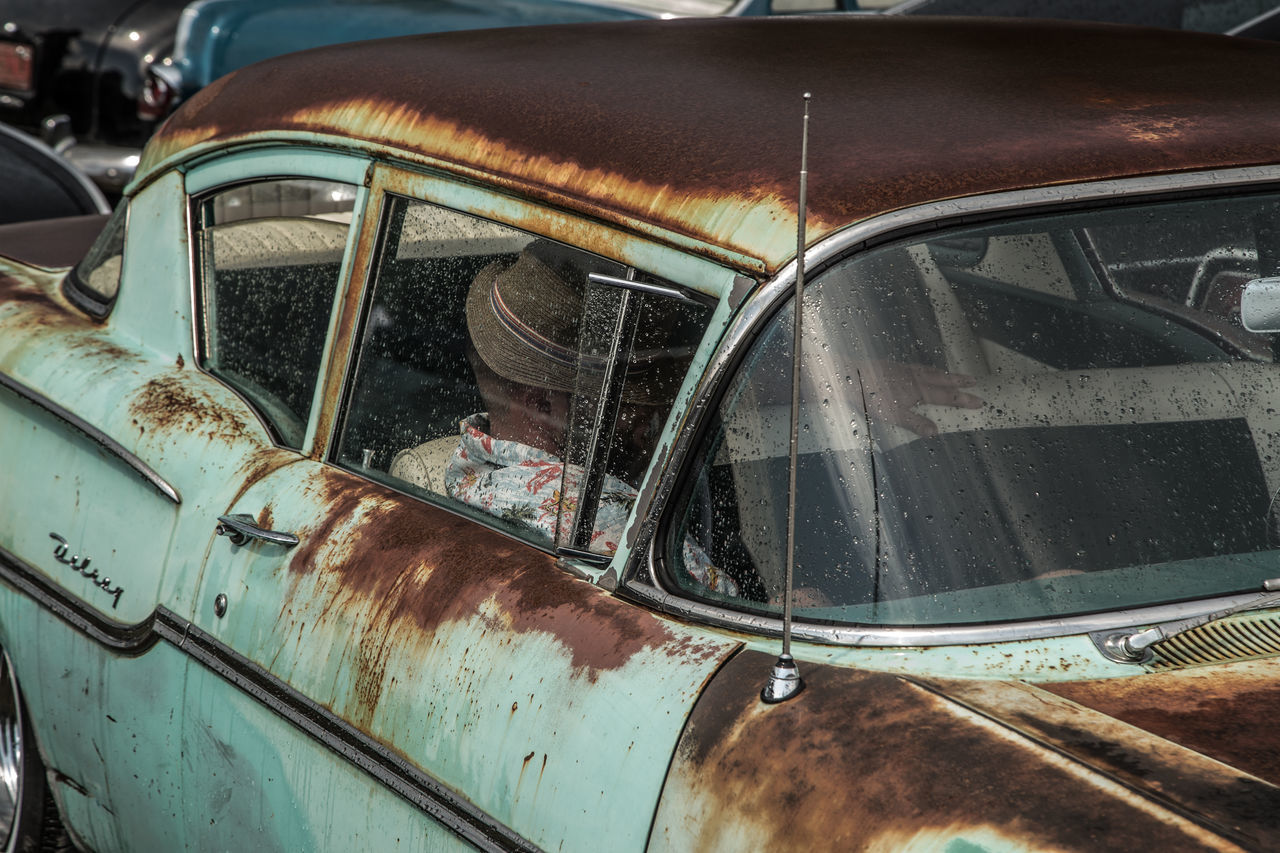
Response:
column 704, row 280
column 642, row 577
column 224, row 172
column 78, row 291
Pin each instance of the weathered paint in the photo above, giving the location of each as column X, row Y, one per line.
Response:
column 1220, row 711
column 866, row 760
column 693, row 126
column 471, row 654
column 1227, row 797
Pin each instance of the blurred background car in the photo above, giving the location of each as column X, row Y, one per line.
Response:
column 94, row 79
column 38, row 183
column 74, row 71
column 1249, row 18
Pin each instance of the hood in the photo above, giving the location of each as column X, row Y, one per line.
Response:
column 1197, row 741
column 874, row 760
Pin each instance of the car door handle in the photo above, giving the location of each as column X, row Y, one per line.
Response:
column 240, row 528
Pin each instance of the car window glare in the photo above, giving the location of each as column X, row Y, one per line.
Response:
column 1036, row 419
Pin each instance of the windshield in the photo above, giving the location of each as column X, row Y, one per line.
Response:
column 1042, row 418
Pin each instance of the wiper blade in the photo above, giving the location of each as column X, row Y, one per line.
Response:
column 1135, row 647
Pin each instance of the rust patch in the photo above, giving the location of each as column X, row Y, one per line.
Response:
column 15, row 290
column 863, row 758
column 172, row 403
column 679, row 123
column 1232, row 802
column 259, row 465
column 427, row 567
column 1224, row 712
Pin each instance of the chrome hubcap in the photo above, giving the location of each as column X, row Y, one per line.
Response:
column 10, row 751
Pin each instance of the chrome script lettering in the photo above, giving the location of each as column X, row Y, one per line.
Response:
column 81, row 565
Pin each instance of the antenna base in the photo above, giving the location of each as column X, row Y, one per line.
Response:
column 784, row 681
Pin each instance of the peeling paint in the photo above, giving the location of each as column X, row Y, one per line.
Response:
column 390, row 554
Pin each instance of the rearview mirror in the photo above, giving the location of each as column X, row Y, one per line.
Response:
column 1260, row 305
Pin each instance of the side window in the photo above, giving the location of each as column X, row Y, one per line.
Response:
column 269, row 257
column 471, row 364
column 94, row 282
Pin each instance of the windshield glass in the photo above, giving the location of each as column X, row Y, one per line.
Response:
column 1042, row 418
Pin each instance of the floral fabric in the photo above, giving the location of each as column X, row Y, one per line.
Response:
column 522, row 485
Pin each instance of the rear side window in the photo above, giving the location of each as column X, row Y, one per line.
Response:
column 269, row 261
column 95, row 281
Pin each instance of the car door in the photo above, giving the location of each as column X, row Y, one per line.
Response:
column 416, row 666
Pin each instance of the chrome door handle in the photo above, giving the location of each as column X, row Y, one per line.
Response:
column 240, row 528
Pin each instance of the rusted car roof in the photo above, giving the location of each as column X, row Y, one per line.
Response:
column 694, row 125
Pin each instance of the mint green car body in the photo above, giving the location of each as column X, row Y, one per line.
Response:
column 411, row 676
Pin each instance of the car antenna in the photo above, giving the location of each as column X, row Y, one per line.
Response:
column 784, row 680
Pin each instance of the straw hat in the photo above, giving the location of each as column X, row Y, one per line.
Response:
column 524, row 316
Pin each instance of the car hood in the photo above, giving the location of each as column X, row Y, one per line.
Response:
column 1175, row 759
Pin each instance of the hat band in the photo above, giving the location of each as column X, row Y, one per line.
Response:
column 565, row 356
column 526, row 334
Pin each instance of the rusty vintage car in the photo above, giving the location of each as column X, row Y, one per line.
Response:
column 989, row 566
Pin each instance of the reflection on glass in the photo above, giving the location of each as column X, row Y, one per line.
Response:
column 270, row 254
column 476, row 342
column 1005, row 422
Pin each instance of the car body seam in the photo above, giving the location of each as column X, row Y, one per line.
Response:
column 381, row 763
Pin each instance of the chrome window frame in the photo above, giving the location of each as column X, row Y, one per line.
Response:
column 640, row 577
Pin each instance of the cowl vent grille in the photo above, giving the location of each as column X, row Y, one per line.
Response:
column 1240, row 638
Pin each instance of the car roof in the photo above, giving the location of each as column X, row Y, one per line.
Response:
column 692, row 127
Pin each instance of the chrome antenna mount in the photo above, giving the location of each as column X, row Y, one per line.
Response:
column 784, row 680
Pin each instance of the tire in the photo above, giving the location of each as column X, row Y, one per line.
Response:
column 29, row 821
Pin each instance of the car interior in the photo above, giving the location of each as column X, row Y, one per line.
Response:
column 1112, row 434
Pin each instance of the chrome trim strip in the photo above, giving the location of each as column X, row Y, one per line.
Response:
column 942, row 635
column 320, row 723
column 641, row 579
column 349, row 743
column 628, row 284
column 121, row 638
column 947, row 212
column 106, row 442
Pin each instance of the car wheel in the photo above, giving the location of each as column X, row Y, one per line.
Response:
column 28, row 817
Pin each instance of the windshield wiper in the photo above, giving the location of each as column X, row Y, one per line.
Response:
column 1135, row 647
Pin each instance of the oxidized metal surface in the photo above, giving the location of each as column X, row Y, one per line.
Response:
column 552, row 704
column 1224, row 796
column 1225, row 712
column 693, row 126
column 865, row 760
column 424, row 567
